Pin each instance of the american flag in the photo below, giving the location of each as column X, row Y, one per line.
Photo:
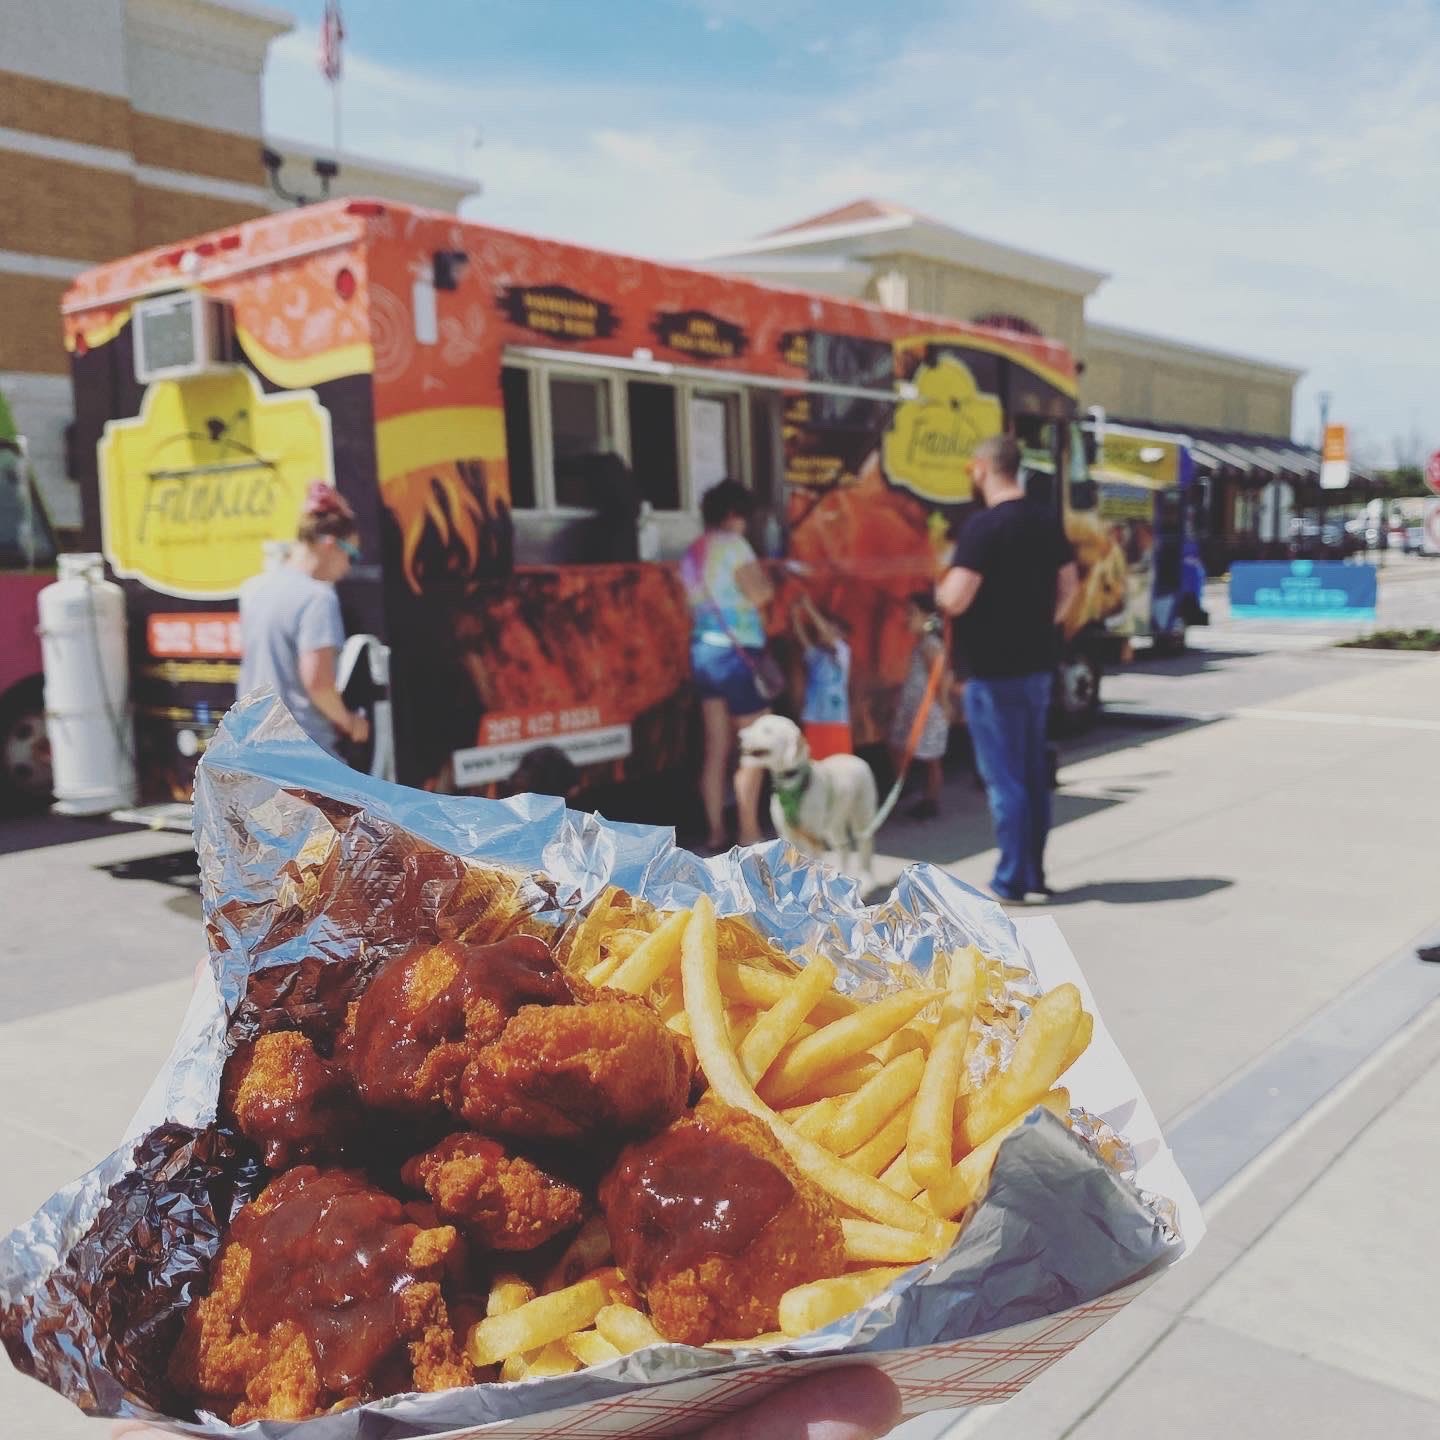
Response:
column 332, row 33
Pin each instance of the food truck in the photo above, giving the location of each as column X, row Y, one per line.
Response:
column 1127, row 521
column 27, row 565
column 517, row 422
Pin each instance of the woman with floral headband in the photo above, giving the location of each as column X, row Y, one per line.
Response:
column 290, row 626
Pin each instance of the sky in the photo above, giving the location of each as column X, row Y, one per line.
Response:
column 1262, row 178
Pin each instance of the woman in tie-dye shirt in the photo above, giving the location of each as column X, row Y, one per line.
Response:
column 726, row 588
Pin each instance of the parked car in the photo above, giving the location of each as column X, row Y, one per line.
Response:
column 1312, row 539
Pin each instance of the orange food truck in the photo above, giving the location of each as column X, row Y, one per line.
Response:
column 468, row 390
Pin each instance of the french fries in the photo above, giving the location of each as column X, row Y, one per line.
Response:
column 657, row 954
column 814, row 1122
column 966, row 1180
column 1080, row 1040
column 533, row 1325
column 929, row 1141
column 865, row 1111
column 810, row 1307
column 754, row 986
column 868, row 1099
column 590, row 1347
column 882, row 1147
column 870, row 1244
column 773, row 1030
column 626, row 1328
column 588, row 1250
column 1039, row 1058
column 838, row 1042
column 705, row 1006
column 508, row 1292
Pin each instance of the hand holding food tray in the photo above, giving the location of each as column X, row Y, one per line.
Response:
column 495, row 1116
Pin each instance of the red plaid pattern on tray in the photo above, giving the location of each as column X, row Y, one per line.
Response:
column 981, row 1371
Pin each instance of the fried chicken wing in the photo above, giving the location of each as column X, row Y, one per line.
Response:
column 608, row 1066
column 712, row 1223
column 322, row 1292
column 426, row 1013
column 293, row 1104
column 500, row 1201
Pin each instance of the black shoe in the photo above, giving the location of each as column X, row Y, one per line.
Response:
column 923, row 810
column 1429, row 952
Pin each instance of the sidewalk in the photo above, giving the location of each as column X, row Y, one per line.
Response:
column 1227, row 885
column 1309, row 1308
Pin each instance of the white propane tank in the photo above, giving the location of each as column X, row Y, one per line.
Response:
column 87, row 683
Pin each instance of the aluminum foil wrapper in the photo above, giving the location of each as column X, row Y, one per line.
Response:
column 300, row 858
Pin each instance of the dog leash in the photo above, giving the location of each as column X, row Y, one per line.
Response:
column 917, row 729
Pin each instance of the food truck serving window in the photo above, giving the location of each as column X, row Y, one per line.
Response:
column 581, row 428
column 654, row 442
column 519, row 436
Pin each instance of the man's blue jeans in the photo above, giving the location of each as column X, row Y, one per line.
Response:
column 1006, row 716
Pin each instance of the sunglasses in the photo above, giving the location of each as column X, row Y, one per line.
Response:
column 351, row 549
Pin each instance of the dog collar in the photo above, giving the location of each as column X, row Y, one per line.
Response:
column 790, row 788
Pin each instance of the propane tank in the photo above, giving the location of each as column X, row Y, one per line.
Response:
column 87, row 711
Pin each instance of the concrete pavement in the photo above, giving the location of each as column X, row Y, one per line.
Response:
column 1229, row 883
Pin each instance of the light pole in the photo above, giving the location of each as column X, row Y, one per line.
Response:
column 1324, row 423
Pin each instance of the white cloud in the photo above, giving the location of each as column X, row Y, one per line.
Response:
column 1273, row 150
column 1267, row 183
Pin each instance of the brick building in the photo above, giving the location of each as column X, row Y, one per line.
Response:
column 126, row 124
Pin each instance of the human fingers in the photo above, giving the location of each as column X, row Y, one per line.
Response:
column 856, row 1403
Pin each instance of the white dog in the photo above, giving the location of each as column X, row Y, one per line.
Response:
column 817, row 805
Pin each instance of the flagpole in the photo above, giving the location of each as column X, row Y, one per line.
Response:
column 335, row 115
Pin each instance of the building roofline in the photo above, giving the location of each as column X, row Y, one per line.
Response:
column 928, row 239
column 261, row 17
column 1141, row 344
column 304, row 150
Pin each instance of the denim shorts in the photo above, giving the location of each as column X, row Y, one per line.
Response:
column 723, row 673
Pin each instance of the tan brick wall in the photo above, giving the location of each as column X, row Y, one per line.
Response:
column 165, row 216
column 939, row 289
column 30, row 331
column 46, row 107
column 70, row 211
column 196, row 149
column 1138, row 388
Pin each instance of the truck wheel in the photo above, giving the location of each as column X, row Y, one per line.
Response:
column 25, row 775
column 1077, row 691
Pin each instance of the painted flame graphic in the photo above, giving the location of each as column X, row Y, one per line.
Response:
column 447, row 522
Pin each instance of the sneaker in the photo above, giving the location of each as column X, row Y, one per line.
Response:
column 1040, row 897
column 1002, row 898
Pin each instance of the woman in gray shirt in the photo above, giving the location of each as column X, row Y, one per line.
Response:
column 290, row 626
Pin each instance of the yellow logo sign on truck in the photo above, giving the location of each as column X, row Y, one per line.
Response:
column 928, row 447
column 211, row 468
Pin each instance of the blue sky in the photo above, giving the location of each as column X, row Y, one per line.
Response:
column 1262, row 178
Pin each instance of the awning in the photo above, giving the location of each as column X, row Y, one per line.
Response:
column 1113, row 475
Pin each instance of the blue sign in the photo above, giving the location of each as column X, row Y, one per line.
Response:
column 1301, row 590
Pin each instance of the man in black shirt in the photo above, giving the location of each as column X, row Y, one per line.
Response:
column 1013, row 574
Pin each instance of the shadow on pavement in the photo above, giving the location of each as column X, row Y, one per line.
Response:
column 963, row 829
column 1189, row 662
column 1142, row 892
column 37, row 832
column 174, row 867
